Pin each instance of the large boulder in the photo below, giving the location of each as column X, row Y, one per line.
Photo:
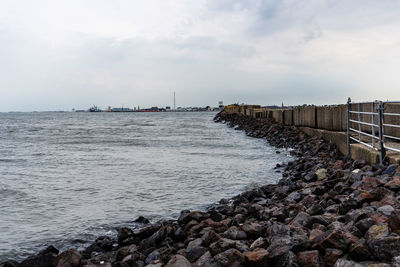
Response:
column 381, row 243
column 309, row 259
column 178, row 261
column 257, row 258
column 69, row 258
column 206, row 261
column 230, row 258
column 195, row 249
column 45, row 258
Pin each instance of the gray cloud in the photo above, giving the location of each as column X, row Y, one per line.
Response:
column 76, row 55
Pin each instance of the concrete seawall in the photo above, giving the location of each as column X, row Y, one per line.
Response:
column 329, row 123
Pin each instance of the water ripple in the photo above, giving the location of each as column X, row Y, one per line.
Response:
column 67, row 178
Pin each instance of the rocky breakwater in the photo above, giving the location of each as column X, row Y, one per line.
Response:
column 327, row 210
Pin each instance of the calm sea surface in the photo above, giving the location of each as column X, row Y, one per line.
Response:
column 66, row 178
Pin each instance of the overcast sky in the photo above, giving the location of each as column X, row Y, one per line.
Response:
column 59, row 55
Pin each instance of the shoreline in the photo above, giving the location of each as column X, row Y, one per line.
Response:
column 325, row 210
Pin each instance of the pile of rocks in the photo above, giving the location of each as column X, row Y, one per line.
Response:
column 327, row 210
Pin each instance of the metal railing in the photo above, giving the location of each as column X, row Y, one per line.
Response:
column 371, row 133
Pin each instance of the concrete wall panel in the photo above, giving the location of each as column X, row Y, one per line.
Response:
column 277, row 115
column 288, row 117
column 395, row 120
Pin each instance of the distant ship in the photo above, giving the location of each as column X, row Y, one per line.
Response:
column 121, row 109
column 94, row 109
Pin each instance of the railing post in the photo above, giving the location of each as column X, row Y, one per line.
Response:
column 373, row 123
column 381, row 138
column 348, row 126
column 359, row 122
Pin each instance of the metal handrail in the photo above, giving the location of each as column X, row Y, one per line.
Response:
column 391, row 102
column 392, row 137
column 363, row 133
column 392, row 149
column 363, row 112
column 391, row 114
column 378, row 110
column 391, row 125
column 365, row 123
column 361, row 142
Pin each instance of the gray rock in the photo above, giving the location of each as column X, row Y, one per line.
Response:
column 195, row 250
column 230, row 258
column 386, row 210
column 178, row 261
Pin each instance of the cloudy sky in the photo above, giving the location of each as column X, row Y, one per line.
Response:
column 59, row 55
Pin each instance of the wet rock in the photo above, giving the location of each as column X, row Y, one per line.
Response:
column 69, row 258
column 43, row 259
column 142, row 220
column 123, row 234
column 331, row 239
column 105, row 243
column 222, row 245
column 49, row 250
column 178, row 261
column 179, row 234
column 256, row 258
column 234, row 233
column 216, row 216
column 252, row 229
column 195, row 250
column 91, row 250
column 331, row 256
column 230, row 258
column 153, row 240
column 206, row 261
column 309, row 259
column 186, row 216
column 9, row 264
column 142, row 233
column 218, row 227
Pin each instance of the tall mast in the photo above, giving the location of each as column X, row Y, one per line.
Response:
column 174, row 101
